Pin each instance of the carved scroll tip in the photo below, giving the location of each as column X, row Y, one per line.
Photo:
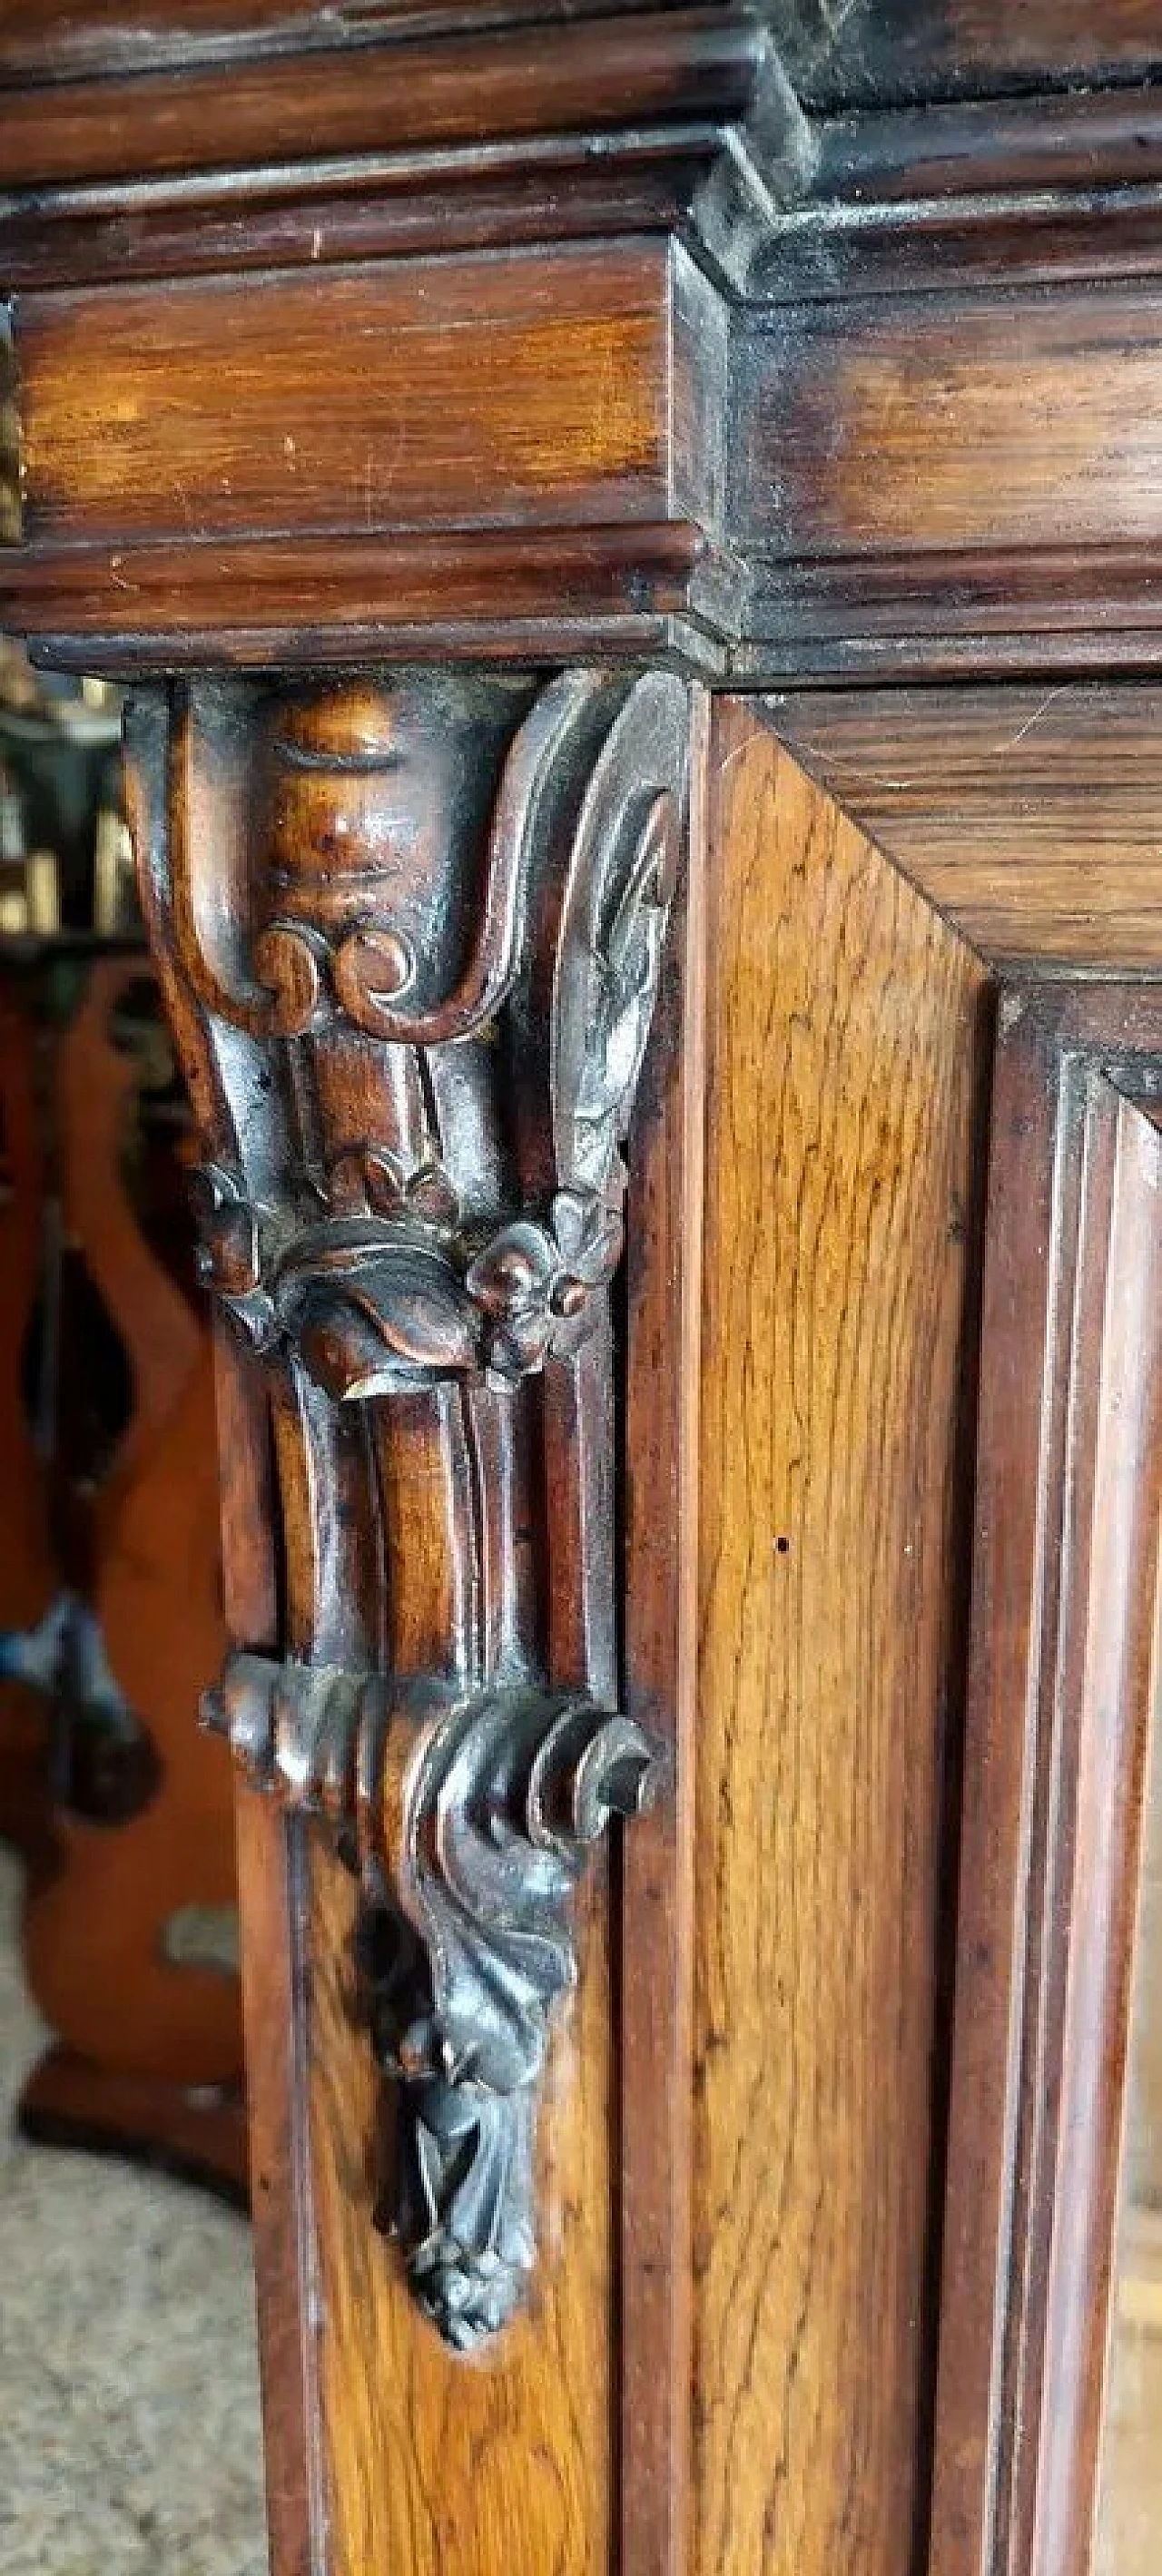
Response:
column 620, row 1771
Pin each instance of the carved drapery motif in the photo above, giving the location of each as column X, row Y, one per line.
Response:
column 411, row 933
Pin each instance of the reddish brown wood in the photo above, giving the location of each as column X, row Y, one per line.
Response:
column 253, row 431
column 1069, row 1495
column 100, row 1908
column 623, row 580
column 884, row 50
column 62, row 37
column 1084, row 140
column 835, row 422
column 271, row 1902
column 370, row 97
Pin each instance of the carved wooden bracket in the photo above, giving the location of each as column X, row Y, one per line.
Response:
column 410, row 931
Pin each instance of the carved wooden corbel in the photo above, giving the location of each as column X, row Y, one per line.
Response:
column 410, row 930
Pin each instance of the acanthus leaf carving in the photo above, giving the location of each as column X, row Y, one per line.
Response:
column 412, row 931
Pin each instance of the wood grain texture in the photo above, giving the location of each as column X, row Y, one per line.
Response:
column 989, row 191
column 434, row 2464
column 485, row 589
column 1062, row 1682
column 884, row 50
column 271, row 1906
column 479, row 389
column 1028, row 816
column 43, row 39
column 845, row 1039
column 637, row 67
column 987, row 146
column 956, row 421
column 957, row 482
column 371, row 207
column 1008, row 613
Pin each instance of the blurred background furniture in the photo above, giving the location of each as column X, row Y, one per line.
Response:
column 110, row 1592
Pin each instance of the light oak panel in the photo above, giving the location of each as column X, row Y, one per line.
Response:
column 846, row 1034
column 1032, row 817
column 431, row 2464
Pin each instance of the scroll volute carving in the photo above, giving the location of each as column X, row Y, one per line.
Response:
column 410, row 929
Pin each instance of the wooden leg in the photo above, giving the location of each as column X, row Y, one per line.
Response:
column 197, row 2131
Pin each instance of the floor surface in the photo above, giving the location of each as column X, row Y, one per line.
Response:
column 129, row 2434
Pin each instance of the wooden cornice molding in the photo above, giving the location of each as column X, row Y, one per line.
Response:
column 472, row 456
column 413, row 341
column 385, row 138
column 412, row 336
column 983, row 192
column 906, row 53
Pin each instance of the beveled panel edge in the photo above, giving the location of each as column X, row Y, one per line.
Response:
column 1026, row 815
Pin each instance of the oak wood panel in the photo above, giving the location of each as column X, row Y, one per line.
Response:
column 1029, row 816
column 430, row 2463
column 958, row 421
column 482, row 390
column 845, row 1034
column 1062, row 1682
